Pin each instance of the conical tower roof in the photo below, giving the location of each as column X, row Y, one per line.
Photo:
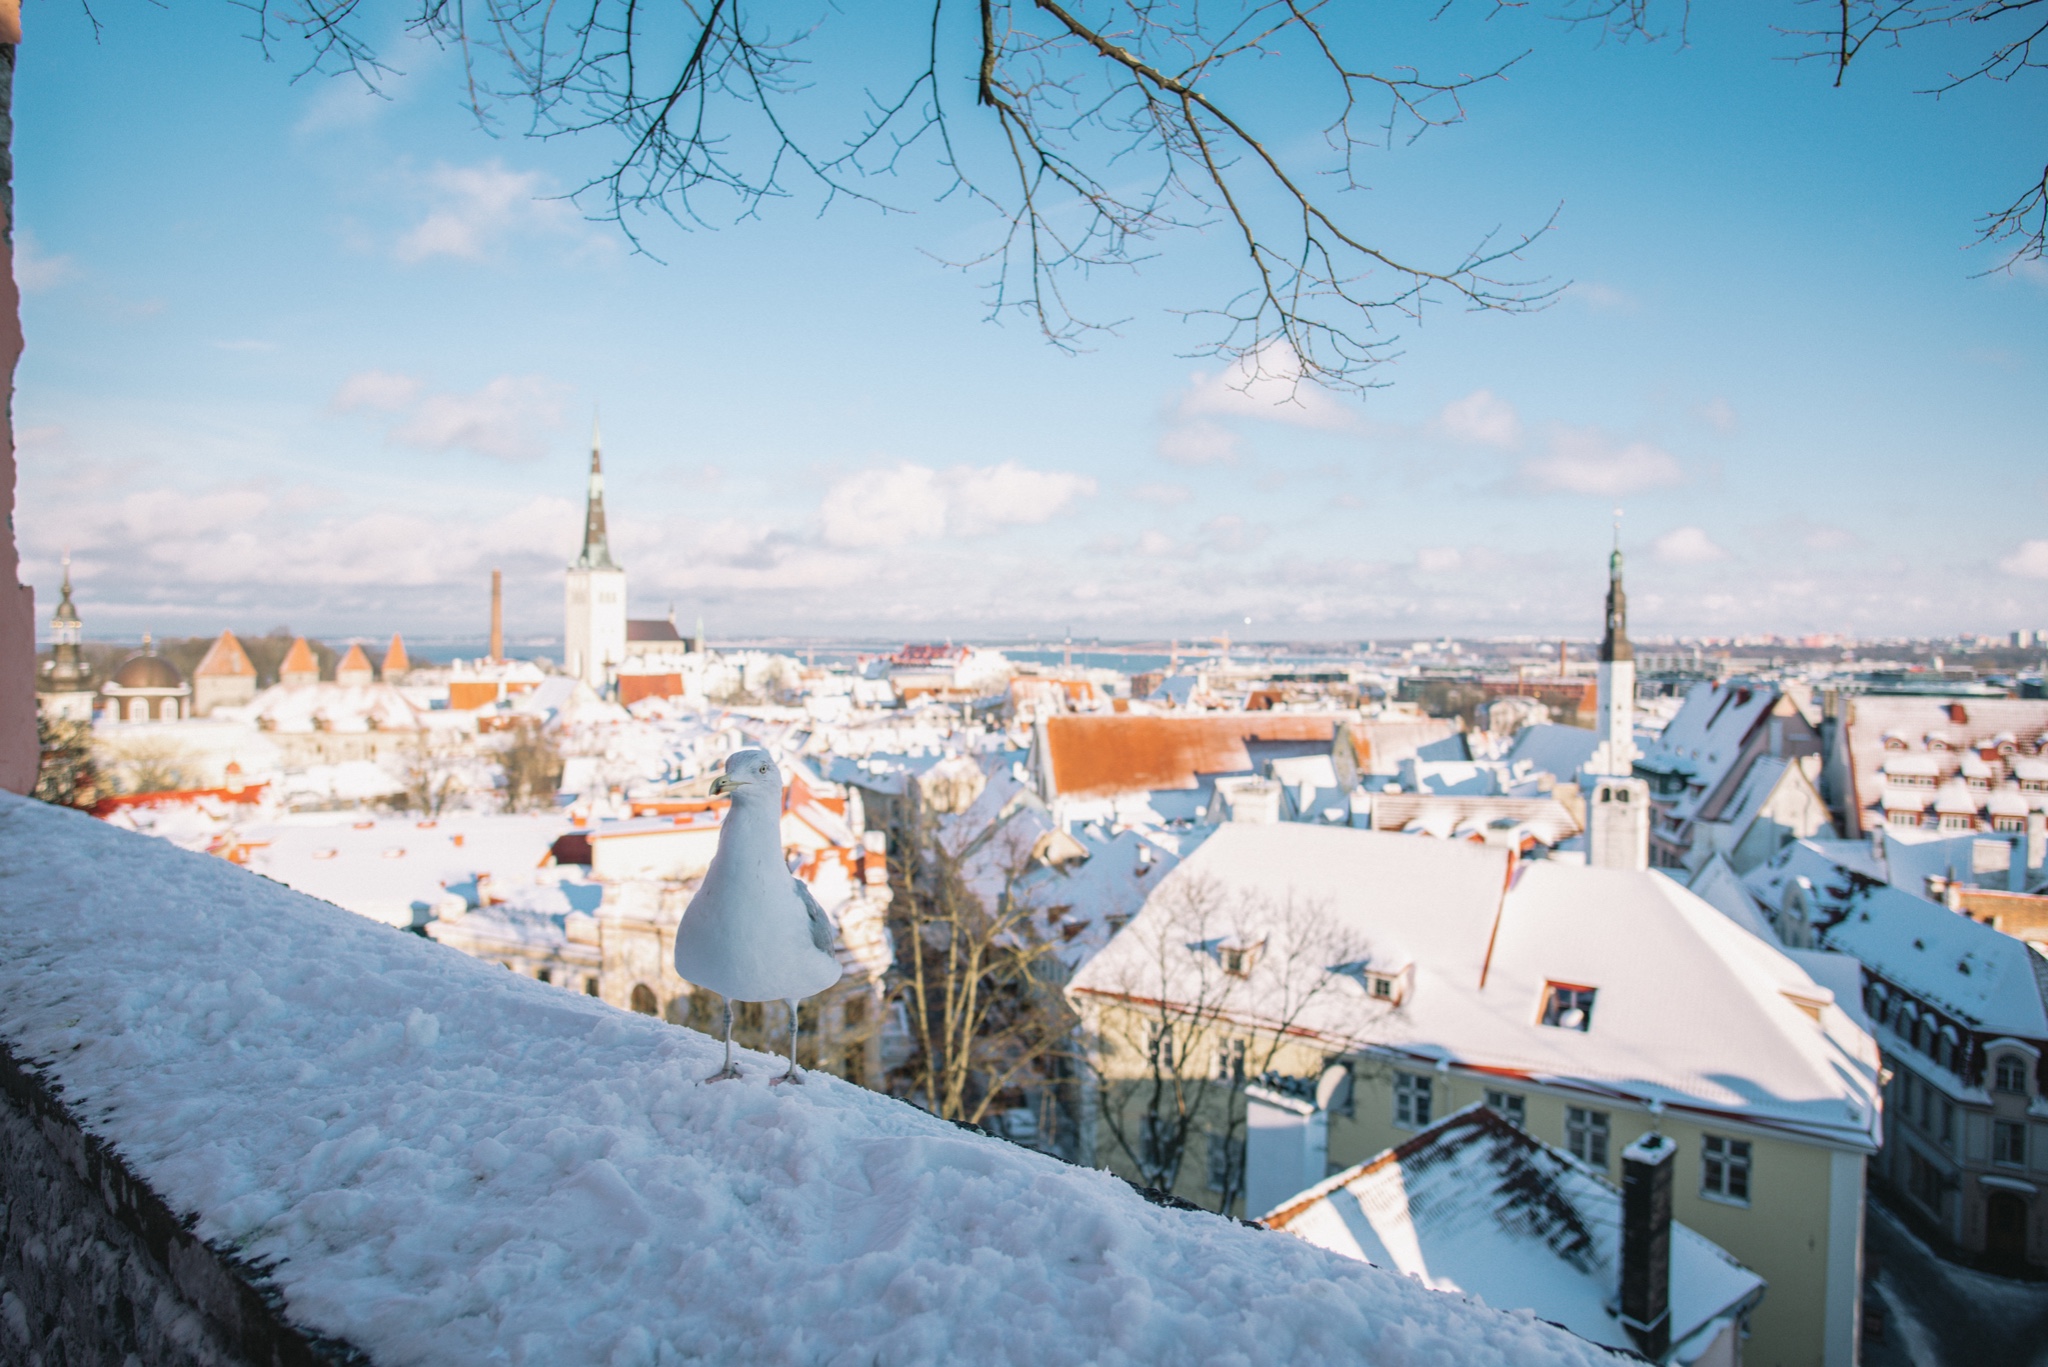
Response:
column 354, row 667
column 395, row 660
column 225, row 658
column 300, row 665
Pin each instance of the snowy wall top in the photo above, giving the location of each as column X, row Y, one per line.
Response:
column 446, row 1163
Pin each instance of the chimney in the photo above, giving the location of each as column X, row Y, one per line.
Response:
column 1646, row 1243
column 2031, row 848
column 497, row 616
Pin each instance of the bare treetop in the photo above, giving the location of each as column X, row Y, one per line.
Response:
column 1088, row 132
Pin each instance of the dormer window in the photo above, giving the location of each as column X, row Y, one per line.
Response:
column 1238, row 958
column 2009, row 1074
column 1568, row 1007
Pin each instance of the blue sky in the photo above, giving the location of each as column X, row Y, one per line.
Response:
column 297, row 355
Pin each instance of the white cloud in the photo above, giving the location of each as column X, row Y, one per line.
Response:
column 504, row 419
column 1482, row 418
column 1718, row 414
column 1200, row 442
column 1167, row 494
column 475, row 206
column 501, row 419
column 1266, row 386
column 1686, row 546
column 35, row 270
column 1155, row 543
column 917, row 503
column 380, row 391
column 1438, row 559
column 2029, row 561
column 1585, row 460
column 1601, row 298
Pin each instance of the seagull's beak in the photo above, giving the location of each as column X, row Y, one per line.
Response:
column 722, row 785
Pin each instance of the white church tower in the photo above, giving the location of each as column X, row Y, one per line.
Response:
column 594, row 638
column 1617, row 804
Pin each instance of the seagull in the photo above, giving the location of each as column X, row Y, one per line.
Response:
column 754, row 933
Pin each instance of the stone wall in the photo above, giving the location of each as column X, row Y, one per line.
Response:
column 95, row 1268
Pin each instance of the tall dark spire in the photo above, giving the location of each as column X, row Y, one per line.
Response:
column 1615, row 645
column 597, row 549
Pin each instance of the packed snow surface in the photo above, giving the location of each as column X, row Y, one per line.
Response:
column 447, row 1163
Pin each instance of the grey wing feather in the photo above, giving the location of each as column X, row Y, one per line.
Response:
column 821, row 928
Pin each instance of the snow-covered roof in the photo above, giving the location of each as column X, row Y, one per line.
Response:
column 1709, row 733
column 379, row 866
column 1875, row 724
column 1692, row 1009
column 1476, row 1206
column 1993, row 982
column 1560, row 751
column 442, row 1162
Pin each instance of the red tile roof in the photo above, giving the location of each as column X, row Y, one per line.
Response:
column 226, row 657
column 1096, row 756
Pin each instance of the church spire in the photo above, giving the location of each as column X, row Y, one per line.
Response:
column 597, row 550
column 1615, row 645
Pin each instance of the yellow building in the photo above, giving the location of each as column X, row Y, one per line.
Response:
column 1294, row 999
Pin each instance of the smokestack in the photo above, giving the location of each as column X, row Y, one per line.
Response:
column 1646, row 1243
column 497, row 616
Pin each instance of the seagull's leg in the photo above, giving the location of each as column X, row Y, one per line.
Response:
column 728, row 1071
column 795, row 1074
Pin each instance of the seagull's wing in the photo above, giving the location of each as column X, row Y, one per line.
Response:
column 821, row 928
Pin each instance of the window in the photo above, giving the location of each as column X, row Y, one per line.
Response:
column 2009, row 1142
column 854, row 1014
column 2009, row 1074
column 643, row 1000
column 590, row 987
column 1411, row 1100
column 1159, row 1047
column 1585, row 1134
column 546, row 975
column 1509, row 1106
column 1567, row 1007
column 1226, row 1162
column 1230, row 1061
column 1724, row 1168
column 1947, row 1133
column 1382, row 987
column 1237, row 959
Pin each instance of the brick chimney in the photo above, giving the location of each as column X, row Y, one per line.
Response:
column 497, row 616
column 1646, row 1167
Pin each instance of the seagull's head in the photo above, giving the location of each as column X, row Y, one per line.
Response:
column 746, row 769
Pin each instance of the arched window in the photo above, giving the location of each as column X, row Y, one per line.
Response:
column 2009, row 1074
column 138, row 709
column 643, row 1000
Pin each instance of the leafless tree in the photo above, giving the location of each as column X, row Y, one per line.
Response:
column 2011, row 38
column 1088, row 131
column 433, row 772
column 533, row 769
column 1209, row 988
column 977, row 970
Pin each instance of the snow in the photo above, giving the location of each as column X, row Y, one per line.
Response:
column 1664, row 963
column 445, row 1162
column 1477, row 1206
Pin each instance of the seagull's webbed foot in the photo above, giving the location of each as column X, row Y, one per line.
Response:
column 729, row 1073
column 795, row 1074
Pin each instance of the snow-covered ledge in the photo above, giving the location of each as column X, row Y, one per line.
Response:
column 440, row 1162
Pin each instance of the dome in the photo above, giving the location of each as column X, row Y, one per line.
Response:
column 147, row 671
